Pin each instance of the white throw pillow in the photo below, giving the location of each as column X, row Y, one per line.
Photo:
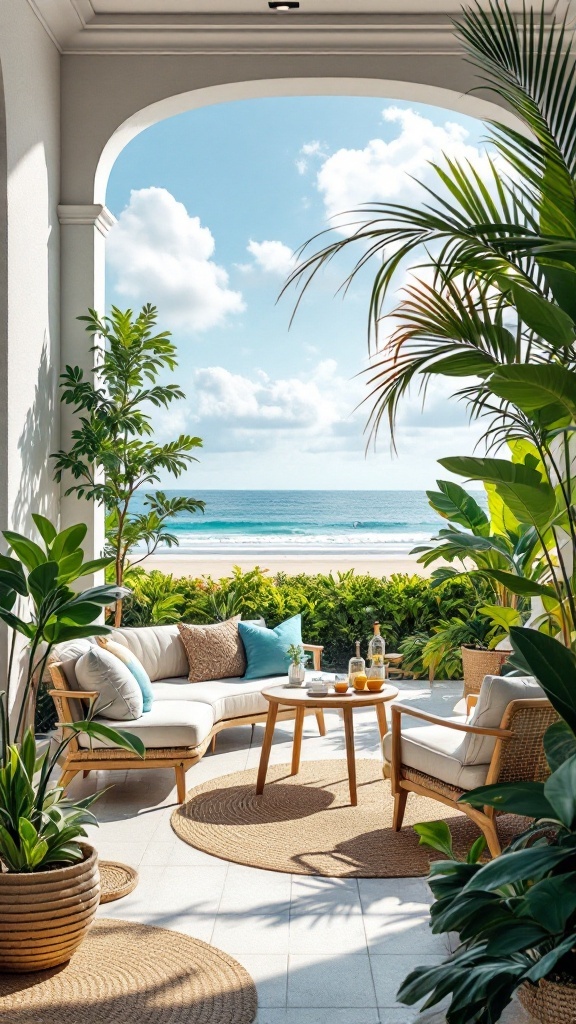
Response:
column 99, row 670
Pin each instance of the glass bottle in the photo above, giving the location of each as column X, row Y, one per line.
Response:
column 356, row 666
column 376, row 652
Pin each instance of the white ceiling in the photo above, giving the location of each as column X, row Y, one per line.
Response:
column 172, row 26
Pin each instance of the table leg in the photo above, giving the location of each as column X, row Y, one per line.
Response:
column 266, row 747
column 381, row 716
column 350, row 756
column 298, row 727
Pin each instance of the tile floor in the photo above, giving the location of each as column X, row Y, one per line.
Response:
column 319, row 949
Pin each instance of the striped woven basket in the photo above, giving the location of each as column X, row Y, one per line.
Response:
column 549, row 1002
column 477, row 664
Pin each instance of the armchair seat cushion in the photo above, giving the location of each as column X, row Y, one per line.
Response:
column 437, row 751
column 169, row 723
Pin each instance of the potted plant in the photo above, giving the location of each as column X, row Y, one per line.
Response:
column 516, row 915
column 465, row 642
column 49, row 882
column 297, row 667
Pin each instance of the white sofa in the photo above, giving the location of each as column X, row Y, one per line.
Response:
column 185, row 717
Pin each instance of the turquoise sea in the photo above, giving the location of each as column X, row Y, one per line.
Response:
column 312, row 522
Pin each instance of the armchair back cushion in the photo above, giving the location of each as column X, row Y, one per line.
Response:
column 158, row 648
column 496, row 693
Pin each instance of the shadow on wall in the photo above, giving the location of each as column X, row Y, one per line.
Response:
column 36, row 491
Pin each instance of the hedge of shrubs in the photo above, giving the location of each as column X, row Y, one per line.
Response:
column 336, row 610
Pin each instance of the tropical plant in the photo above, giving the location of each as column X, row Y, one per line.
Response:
column 494, row 285
column 112, row 456
column 39, row 826
column 516, row 915
column 448, row 637
column 153, row 598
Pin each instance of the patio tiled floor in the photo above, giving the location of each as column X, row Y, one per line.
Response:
column 320, row 950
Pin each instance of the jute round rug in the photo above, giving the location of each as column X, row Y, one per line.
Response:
column 116, row 880
column 133, row 974
column 304, row 823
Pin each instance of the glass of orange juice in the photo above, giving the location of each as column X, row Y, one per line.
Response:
column 340, row 684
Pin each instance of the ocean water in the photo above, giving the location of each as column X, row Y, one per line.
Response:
column 311, row 522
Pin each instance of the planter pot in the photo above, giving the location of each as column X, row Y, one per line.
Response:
column 296, row 674
column 477, row 664
column 44, row 915
column 550, row 1002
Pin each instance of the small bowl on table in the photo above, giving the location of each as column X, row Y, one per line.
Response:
column 374, row 685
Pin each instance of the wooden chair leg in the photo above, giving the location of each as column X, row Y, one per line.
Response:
column 67, row 776
column 321, row 723
column 214, row 742
column 487, row 824
column 399, row 808
column 180, row 772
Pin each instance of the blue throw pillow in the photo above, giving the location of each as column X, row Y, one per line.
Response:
column 266, row 648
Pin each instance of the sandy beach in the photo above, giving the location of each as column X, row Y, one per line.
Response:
column 222, row 565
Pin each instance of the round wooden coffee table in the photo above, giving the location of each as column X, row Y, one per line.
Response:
column 301, row 701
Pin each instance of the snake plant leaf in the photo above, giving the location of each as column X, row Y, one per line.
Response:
column 553, row 665
column 559, row 744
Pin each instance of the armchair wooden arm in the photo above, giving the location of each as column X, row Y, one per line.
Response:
column 401, row 709
column 77, row 694
column 316, row 650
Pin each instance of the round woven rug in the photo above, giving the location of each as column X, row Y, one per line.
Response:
column 304, row 823
column 116, row 880
column 133, row 974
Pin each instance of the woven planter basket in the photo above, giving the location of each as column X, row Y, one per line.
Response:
column 477, row 664
column 549, row 1002
column 44, row 915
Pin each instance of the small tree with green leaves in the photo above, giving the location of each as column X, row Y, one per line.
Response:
column 113, row 454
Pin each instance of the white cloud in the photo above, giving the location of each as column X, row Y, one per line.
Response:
column 272, row 256
column 384, row 171
column 314, row 149
column 161, row 254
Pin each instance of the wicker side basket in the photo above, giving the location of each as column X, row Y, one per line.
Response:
column 549, row 1002
column 477, row 664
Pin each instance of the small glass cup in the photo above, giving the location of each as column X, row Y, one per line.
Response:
column 341, row 684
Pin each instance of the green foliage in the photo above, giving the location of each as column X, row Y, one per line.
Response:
column 113, row 454
column 336, row 610
column 516, row 915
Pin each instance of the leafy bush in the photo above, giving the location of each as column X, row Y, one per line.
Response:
column 336, row 610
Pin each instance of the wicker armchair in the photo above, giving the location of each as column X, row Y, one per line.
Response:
column 517, row 756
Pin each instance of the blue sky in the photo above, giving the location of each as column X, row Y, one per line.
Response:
column 210, row 206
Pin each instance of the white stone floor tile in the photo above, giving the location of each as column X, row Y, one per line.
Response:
column 390, row 970
column 257, row 933
column 270, row 974
column 343, row 980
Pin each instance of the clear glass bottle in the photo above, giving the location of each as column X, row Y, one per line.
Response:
column 356, row 665
column 376, row 652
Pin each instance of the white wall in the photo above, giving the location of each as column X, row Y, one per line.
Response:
column 29, row 341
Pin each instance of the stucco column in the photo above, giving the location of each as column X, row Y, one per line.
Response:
column 83, row 233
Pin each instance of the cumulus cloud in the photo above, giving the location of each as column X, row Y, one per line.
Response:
column 385, row 171
column 161, row 254
column 307, row 151
column 272, row 256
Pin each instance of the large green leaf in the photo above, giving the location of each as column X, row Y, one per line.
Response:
column 502, row 521
column 545, row 318
column 559, row 744
column 529, row 497
column 68, row 540
column 452, row 502
column 512, row 866
column 535, row 387
column 45, row 528
column 28, row 552
column 553, row 665
column 527, row 798
column 42, row 581
column 117, row 737
column 520, row 585
column 551, row 902
column 464, row 364
column 560, row 791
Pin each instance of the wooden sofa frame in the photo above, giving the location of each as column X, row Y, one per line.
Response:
column 80, row 759
column 518, row 757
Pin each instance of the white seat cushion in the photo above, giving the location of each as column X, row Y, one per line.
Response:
column 174, row 723
column 230, row 698
column 437, row 751
column 159, row 648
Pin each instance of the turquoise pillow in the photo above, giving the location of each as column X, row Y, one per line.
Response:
column 266, row 648
column 135, row 666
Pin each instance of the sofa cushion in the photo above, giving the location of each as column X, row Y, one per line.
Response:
column 134, row 665
column 266, row 648
column 230, row 698
column 437, row 751
column 214, row 651
column 496, row 693
column 67, row 653
column 168, row 724
column 158, row 648
column 120, row 696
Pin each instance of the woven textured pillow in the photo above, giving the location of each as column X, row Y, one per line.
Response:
column 213, row 652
